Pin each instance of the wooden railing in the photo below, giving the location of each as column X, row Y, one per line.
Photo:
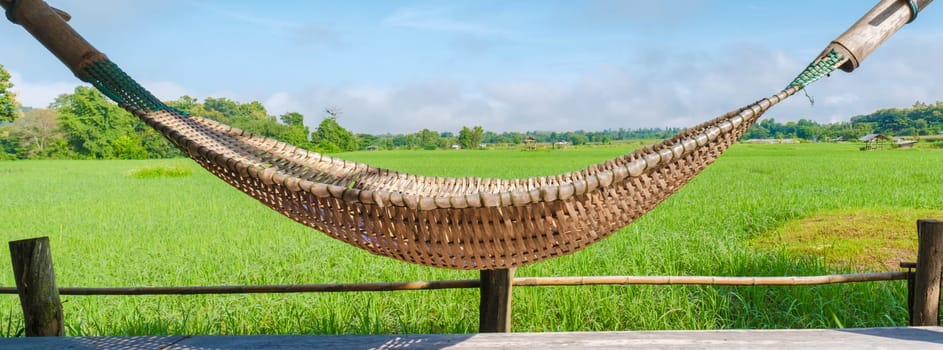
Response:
column 42, row 310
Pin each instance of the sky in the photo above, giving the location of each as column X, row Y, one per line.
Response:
column 401, row 66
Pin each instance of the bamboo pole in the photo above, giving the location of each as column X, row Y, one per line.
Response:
column 929, row 268
column 710, row 280
column 873, row 29
column 459, row 284
column 284, row 288
column 36, row 286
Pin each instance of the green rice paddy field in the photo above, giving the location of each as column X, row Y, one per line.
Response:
column 761, row 210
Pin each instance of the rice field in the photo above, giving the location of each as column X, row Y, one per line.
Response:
column 169, row 223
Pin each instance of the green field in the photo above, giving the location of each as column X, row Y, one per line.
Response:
column 169, row 223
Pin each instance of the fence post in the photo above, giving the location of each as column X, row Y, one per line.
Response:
column 929, row 270
column 36, row 285
column 495, row 307
column 911, row 284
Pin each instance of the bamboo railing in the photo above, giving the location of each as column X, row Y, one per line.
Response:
column 39, row 295
column 473, row 283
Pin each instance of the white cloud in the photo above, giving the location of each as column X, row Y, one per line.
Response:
column 39, row 94
column 280, row 103
column 673, row 93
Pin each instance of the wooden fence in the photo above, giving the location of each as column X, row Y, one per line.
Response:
column 42, row 309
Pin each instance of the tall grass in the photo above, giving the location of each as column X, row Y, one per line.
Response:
column 111, row 229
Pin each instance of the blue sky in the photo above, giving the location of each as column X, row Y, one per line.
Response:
column 400, row 66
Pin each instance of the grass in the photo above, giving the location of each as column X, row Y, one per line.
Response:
column 111, row 229
column 853, row 238
column 151, row 172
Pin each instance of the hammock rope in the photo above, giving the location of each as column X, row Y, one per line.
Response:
column 113, row 82
column 818, row 69
column 457, row 223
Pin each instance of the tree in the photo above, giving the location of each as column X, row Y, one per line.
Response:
column 39, row 135
column 921, row 126
column 96, row 128
column 293, row 119
column 757, row 131
column 297, row 132
column 91, row 123
column 251, row 117
column 427, row 139
column 367, row 140
column 808, row 130
column 185, row 104
column 155, row 144
column 861, row 129
column 577, row 139
column 330, row 137
column 9, row 108
column 470, row 138
column 9, row 143
column 222, row 110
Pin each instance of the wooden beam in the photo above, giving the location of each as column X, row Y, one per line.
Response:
column 929, row 268
column 495, row 307
column 49, row 27
column 36, row 285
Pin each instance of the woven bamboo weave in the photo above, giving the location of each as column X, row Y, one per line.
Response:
column 458, row 223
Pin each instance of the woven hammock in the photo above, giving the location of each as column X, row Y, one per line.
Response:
column 458, row 223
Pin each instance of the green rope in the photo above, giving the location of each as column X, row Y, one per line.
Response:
column 113, row 82
column 818, row 69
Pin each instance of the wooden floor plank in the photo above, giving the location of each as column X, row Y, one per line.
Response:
column 83, row 343
column 864, row 338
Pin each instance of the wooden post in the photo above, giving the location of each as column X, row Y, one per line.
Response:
column 495, row 307
column 929, row 270
column 36, row 285
column 911, row 284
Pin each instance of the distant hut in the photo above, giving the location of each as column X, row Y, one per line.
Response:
column 873, row 141
column 904, row 143
column 530, row 142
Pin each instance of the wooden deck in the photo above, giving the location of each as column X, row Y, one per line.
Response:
column 864, row 338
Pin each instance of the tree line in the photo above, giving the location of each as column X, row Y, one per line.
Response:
column 86, row 125
column 921, row 119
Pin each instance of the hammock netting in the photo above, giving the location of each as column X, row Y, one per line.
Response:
column 457, row 223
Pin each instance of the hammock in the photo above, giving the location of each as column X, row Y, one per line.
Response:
column 458, row 223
